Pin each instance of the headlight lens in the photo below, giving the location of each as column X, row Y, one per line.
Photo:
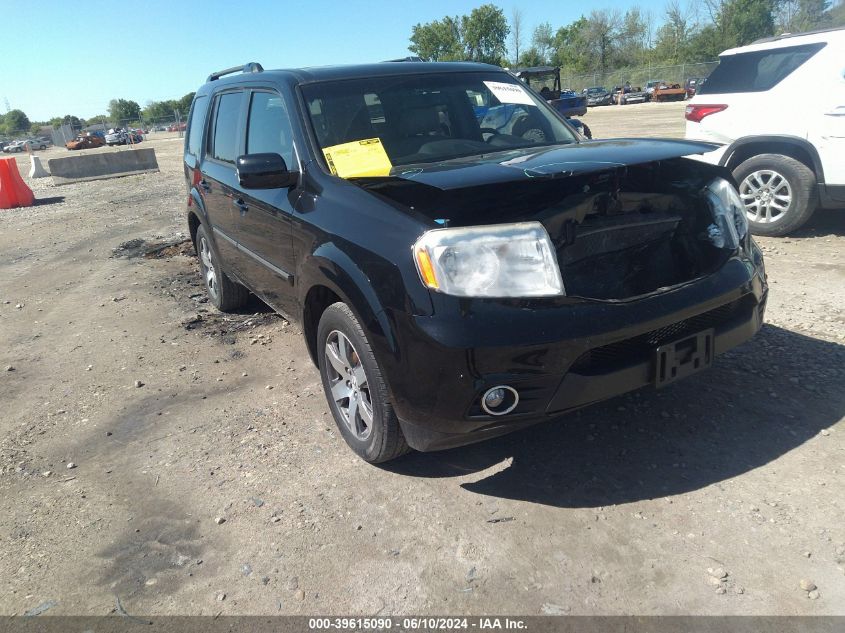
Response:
column 507, row 260
column 730, row 224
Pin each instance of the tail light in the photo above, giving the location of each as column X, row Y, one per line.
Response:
column 695, row 113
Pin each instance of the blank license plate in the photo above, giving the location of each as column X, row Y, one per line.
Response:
column 682, row 358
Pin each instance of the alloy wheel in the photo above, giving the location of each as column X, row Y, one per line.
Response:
column 208, row 269
column 767, row 196
column 350, row 388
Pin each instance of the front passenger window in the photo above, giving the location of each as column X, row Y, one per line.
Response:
column 269, row 127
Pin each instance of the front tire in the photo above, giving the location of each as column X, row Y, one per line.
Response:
column 355, row 389
column 779, row 193
column 225, row 294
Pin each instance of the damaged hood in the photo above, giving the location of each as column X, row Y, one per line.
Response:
column 560, row 182
column 560, row 161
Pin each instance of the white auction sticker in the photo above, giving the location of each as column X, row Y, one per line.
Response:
column 509, row 93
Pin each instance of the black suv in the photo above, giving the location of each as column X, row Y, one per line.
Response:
column 462, row 262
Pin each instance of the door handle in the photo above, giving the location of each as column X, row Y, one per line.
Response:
column 205, row 186
column 241, row 205
column 837, row 111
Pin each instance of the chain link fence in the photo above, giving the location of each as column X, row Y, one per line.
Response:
column 164, row 126
column 638, row 76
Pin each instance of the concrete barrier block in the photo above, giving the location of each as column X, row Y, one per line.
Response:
column 37, row 169
column 102, row 165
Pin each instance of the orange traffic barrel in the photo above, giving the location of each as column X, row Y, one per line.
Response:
column 13, row 190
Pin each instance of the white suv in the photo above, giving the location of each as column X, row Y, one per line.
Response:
column 777, row 108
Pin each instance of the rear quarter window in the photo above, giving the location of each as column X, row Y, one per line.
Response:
column 757, row 71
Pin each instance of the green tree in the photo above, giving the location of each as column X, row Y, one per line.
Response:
column 485, row 33
column 67, row 119
column 123, row 110
column 603, row 28
column 673, row 38
column 158, row 110
column 796, row 16
column 572, row 47
column 531, row 57
column 439, row 40
column 633, row 36
column 517, row 31
column 16, row 122
column 543, row 42
column 480, row 36
column 706, row 44
column 837, row 14
column 184, row 104
column 748, row 20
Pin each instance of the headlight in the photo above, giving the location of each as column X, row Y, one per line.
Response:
column 730, row 224
column 508, row 260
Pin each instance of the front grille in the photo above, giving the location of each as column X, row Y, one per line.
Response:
column 635, row 350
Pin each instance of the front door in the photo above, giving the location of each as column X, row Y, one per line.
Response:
column 264, row 215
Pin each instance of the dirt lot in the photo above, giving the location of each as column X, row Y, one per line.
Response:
column 134, row 418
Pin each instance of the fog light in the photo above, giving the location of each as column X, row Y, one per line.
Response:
column 499, row 400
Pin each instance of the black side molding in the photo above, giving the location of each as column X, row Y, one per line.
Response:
column 283, row 274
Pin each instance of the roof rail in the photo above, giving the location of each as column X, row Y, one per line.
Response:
column 784, row 36
column 251, row 67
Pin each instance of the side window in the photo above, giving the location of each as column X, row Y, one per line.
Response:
column 197, row 125
column 224, row 144
column 269, row 127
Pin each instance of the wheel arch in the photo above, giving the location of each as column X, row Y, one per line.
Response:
column 792, row 146
column 196, row 215
column 330, row 275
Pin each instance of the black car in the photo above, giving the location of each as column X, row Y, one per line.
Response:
column 597, row 96
column 453, row 281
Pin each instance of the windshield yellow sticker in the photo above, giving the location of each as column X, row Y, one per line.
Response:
column 358, row 158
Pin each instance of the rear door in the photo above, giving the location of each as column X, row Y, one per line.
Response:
column 219, row 182
column 265, row 215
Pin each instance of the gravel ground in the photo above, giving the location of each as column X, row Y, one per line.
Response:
column 179, row 461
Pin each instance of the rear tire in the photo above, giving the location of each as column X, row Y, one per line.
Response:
column 779, row 193
column 355, row 389
column 225, row 294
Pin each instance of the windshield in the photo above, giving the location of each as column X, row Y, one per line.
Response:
column 430, row 118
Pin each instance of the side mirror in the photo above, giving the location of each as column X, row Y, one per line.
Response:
column 264, row 171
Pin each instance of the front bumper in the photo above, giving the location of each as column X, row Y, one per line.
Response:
column 559, row 354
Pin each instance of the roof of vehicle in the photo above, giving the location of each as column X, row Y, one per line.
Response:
column 790, row 39
column 357, row 71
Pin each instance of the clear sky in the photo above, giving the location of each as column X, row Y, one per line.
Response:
column 73, row 56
